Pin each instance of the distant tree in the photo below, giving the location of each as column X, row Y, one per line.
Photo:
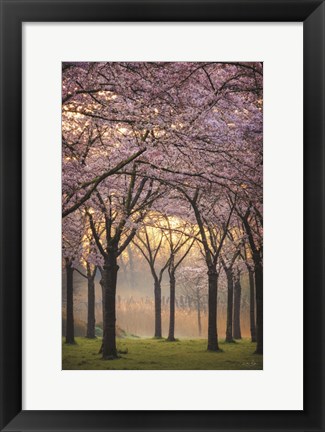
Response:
column 150, row 241
column 193, row 281
column 228, row 268
column 237, row 305
column 180, row 238
column 213, row 217
column 90, row 276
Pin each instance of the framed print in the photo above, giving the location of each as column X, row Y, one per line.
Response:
column 142, row 146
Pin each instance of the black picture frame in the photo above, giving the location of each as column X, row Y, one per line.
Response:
column 13, row 14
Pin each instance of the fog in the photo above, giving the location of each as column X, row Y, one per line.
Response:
column 135, row 303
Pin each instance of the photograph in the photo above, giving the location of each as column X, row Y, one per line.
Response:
column 162, row 215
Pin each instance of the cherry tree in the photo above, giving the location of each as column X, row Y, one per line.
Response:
column 193, row 282
column 250, row 213
column 246, row 256
column 72, row 230
column 228, row 268
column 117, row 209
column 178, row 237
column 217, row 137
column 150, row 242
column 213, row 218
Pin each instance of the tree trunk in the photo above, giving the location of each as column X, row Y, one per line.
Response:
column 237, row 299
column 110, row 270
column 70, row 320
column 172, row 283
column 199, row 325
column 212, row 305
column 258, row 267
column 157, row 288
column 259, row 307
column 91, row 306
column 132, row 274
column 230, row 307
column 103, row 304
column 252, row 305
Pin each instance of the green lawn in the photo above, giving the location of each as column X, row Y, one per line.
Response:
column 156, row 354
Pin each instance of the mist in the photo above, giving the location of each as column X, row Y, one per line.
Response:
column 135, row 303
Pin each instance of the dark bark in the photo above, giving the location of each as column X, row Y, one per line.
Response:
column 157, row 291
column 172, row 283
column 212, row 304
column 103, row 304
column 70, row 320
column 252, row 305
column 237, row 301
column 109, row 276
column 91, row 304
column 258, row 267
column 230, row 303
column 259, row 307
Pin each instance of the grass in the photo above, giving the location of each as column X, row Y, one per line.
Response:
column 159, row 354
